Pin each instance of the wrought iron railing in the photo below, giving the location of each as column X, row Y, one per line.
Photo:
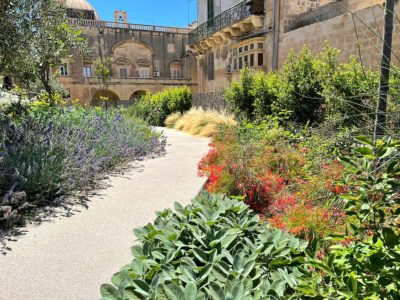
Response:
column 227, row 18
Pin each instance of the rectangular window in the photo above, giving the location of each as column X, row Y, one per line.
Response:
column 210, row 9
column 144, row 73
column 260, row 59
column 252, row 46
column 240, row 63
column 251, row 60
column 64, row 70
column 176, row 74
column 260, row 45
column 246, row 48
column 246, row 61
column 235, row 64
column 87, row 71
column 235, row 52
column 240, row 49
column 210, row 65
column 123, row 73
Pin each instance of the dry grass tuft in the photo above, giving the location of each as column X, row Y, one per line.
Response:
column 171, row 120
column 198, row 121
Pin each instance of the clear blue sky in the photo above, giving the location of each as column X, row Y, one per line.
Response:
column 152, row 12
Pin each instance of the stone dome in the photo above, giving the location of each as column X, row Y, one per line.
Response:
column 81, row 9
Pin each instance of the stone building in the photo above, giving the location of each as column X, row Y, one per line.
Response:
column 260, row 33
column 144, row 58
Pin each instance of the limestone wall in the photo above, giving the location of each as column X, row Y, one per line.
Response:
column 350, row 33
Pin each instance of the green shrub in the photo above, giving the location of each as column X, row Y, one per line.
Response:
column 315, row 89
column 211, row 249
column 302, row 89
column 240, row 95
column 266, row 91
column 157, row 107
column 350, row 94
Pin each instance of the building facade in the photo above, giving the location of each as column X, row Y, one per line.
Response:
column 260, row 33
column 144, row 58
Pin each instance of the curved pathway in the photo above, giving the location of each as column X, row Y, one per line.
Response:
column 69, row 258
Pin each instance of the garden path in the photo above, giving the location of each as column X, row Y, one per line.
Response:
column 69, row 258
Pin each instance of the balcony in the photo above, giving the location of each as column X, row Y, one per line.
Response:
column 247, row 16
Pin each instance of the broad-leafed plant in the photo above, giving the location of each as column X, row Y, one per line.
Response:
column 214, row 248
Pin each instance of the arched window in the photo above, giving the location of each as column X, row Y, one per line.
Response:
column 175, row 70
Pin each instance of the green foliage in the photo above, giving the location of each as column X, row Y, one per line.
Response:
column 266, row 91
column 36, row 38
column 314, row 89
column 350, row 93
column 240, row 95
column 211, row 249
column 103, row 69
column 366, row 263
column 301, row 93
column 157, row 107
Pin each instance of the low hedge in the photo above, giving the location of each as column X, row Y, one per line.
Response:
column 155, row 108
column 215, row 248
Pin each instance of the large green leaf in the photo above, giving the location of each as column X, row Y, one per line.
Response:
column 108, row 291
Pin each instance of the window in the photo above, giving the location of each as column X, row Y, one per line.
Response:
column 176, row 74
column 250, row 54
column 123, row 73
column 246, row 61
column 144, row 73
column 87, row 71
column 121, row 19
column 260, row 59
column 64, row 70
column 175, row 70
column 210, row 66
column 210, row 9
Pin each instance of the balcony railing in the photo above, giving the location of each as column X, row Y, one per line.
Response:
column 140, row 27
column 227, row 18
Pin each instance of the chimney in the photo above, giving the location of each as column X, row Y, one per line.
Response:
column 121, row 16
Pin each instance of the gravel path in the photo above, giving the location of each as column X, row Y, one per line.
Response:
column 69, row 258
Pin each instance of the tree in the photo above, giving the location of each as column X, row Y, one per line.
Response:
column 36, row 38
column 103, row 74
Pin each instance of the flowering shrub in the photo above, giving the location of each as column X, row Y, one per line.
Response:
column 268, row 167
column 47, row 155
column 365, row 262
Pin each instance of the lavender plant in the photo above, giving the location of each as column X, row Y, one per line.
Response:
column 45, row 156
